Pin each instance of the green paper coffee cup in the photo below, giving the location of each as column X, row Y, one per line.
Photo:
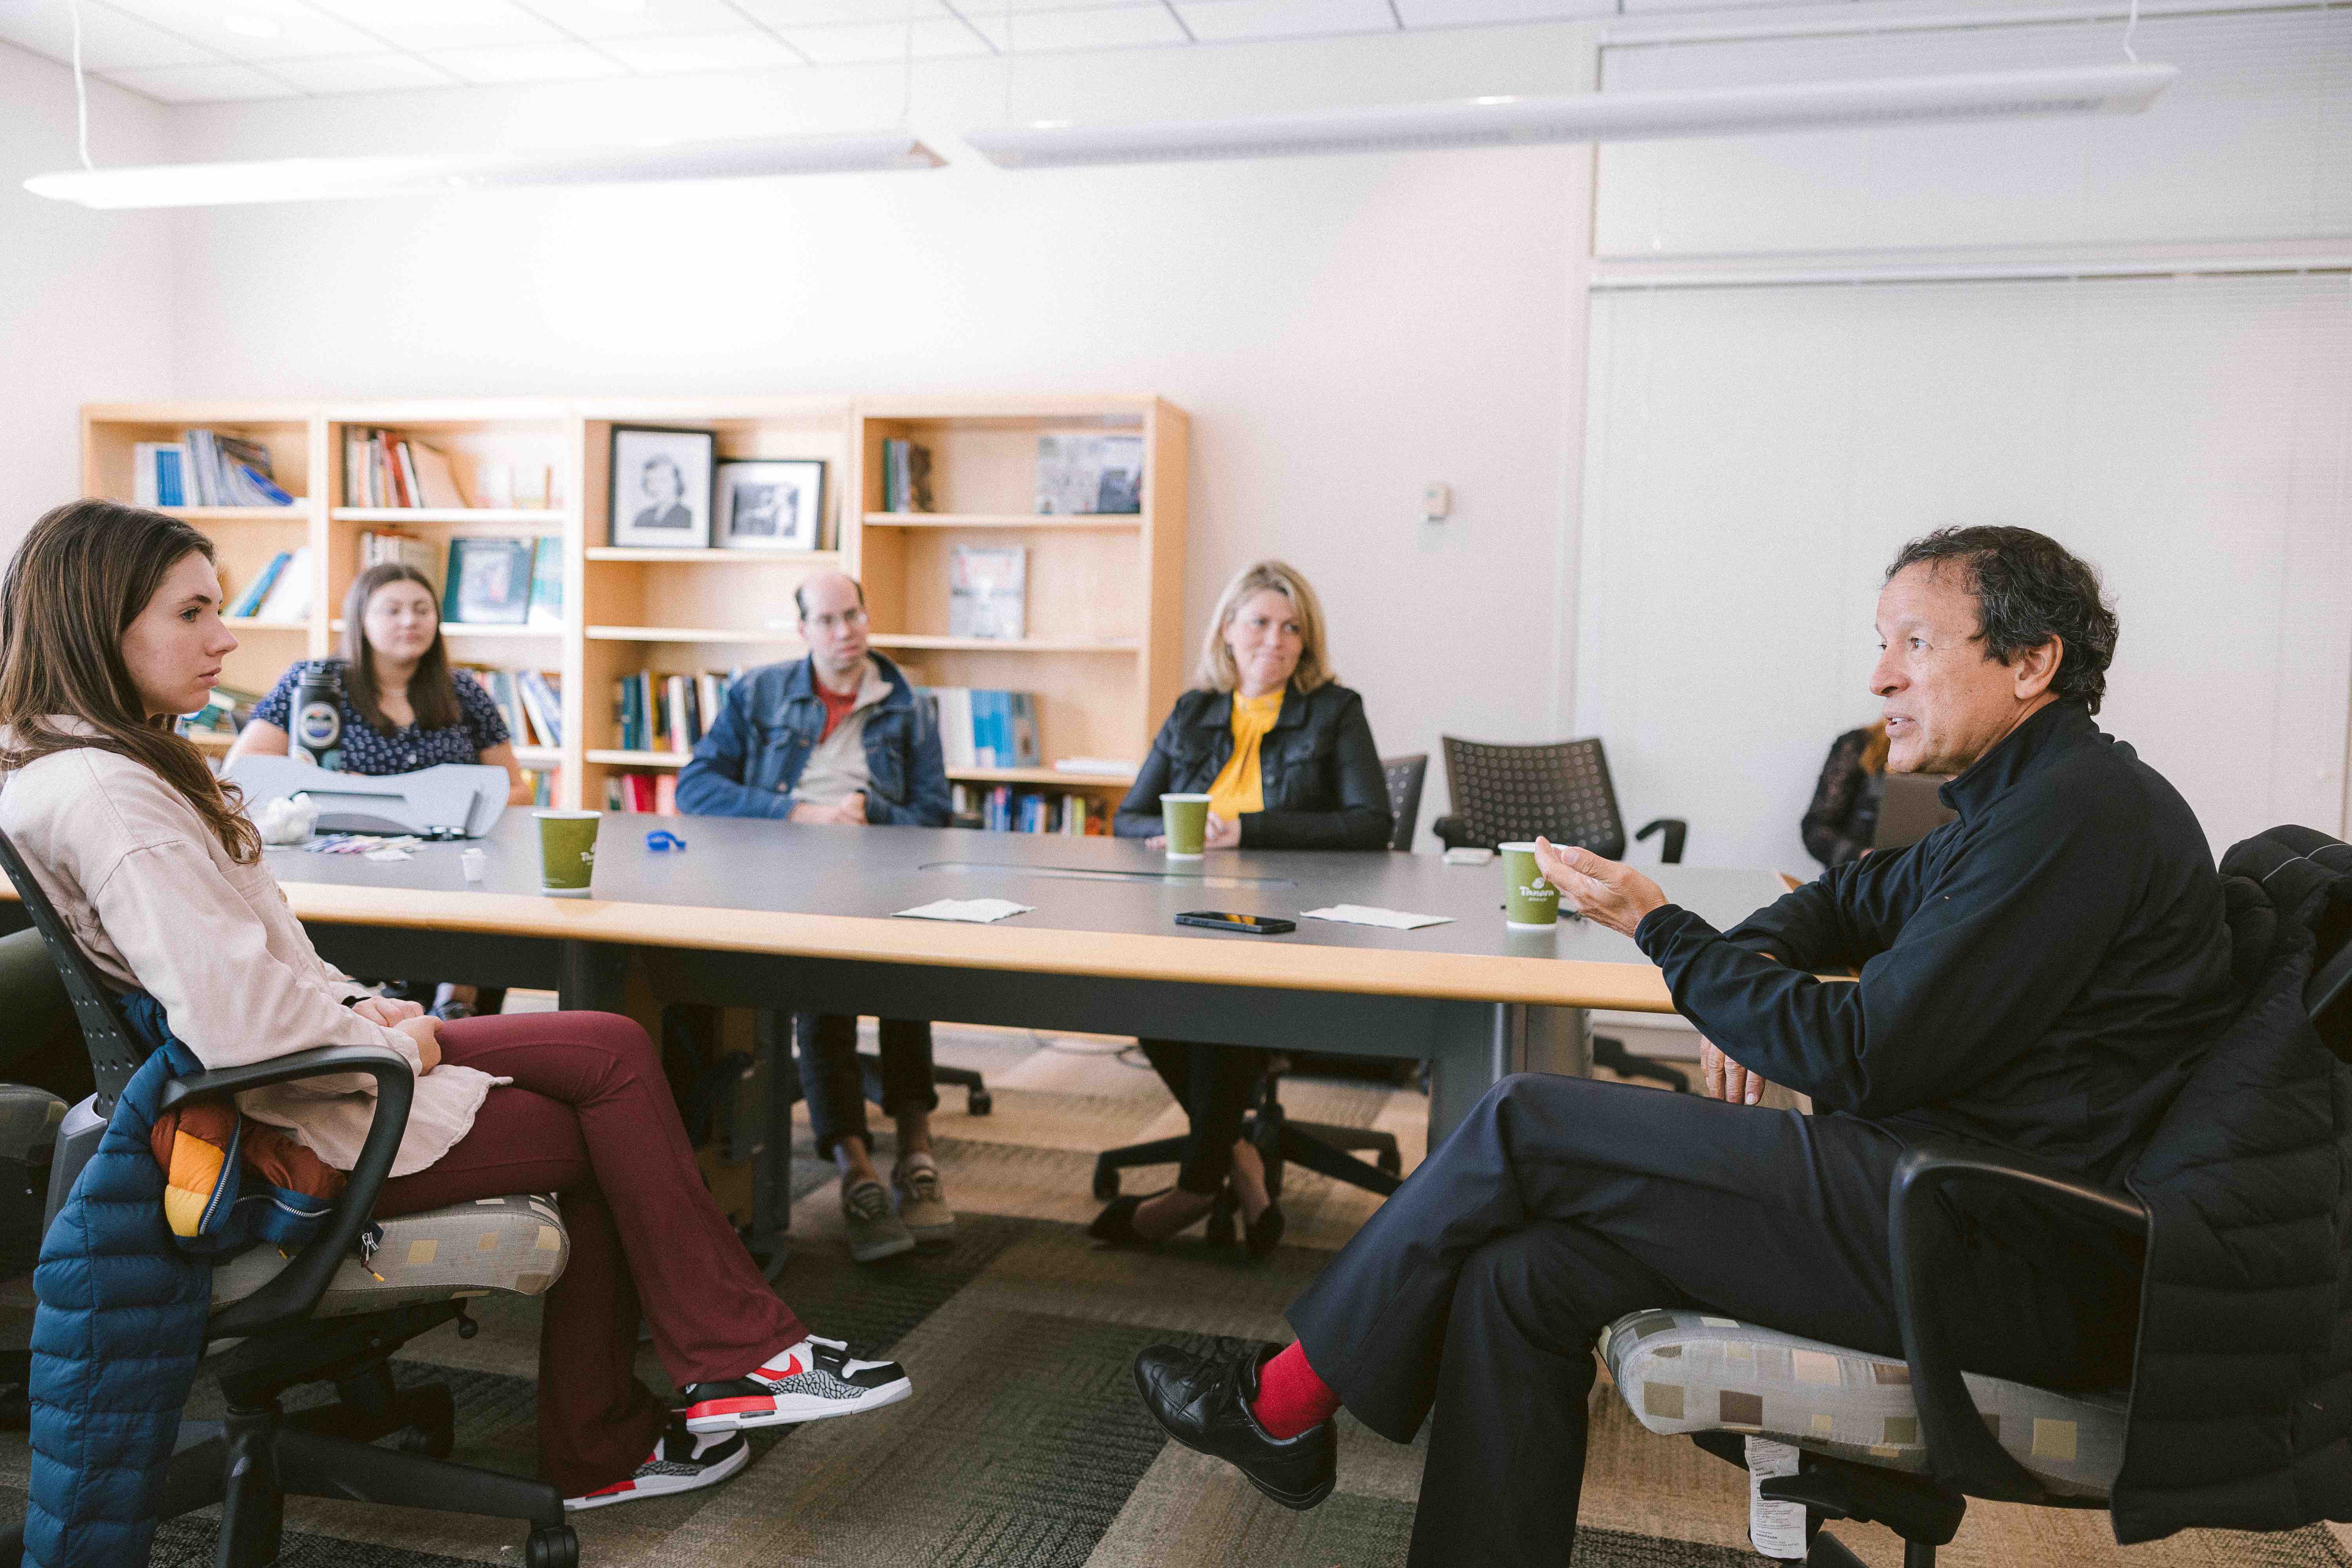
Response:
column 1529, row 901
column 1185, row 819
column 567, row 851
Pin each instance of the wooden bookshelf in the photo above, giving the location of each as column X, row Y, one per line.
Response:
column 1104, row 597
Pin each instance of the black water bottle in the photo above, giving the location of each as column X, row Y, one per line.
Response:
column 319, row 713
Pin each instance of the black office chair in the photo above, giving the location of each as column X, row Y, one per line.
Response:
column 1907, row 1444
column 1559, row 791
column 1405, row 775
column 321, row 1316
column 1318, row 1146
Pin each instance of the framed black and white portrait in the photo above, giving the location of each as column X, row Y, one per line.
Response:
column 771, row 503
column 661, row 487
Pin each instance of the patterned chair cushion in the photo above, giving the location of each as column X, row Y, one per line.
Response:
column 515, row 1244
column 1687, row 1371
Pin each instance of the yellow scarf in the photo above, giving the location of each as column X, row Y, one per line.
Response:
column 1240, row 786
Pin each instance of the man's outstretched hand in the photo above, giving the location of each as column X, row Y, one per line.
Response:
column 1608, row 891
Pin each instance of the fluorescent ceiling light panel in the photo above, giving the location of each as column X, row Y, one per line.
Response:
column 1587, row 117
column 325, row 179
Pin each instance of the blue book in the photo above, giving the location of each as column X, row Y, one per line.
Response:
column 263, row 484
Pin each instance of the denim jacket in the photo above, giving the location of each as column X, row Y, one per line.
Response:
column 771, row 720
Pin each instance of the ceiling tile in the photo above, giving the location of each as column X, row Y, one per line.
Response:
column 202, row 84
column 785, row 14
column 1471, row 13
column 976, row 9
column 565, row 61
column 1107, row 28
column 109, row 40
column 743, row 50
column 301, row 31
column 837, row 46
column 443, row 24
column 1220, row 20
column 360, row 73
column 643, row 19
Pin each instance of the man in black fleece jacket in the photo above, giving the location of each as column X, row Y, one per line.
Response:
column 2037, row 975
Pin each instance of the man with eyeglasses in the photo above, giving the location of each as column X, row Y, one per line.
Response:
column 840, row 740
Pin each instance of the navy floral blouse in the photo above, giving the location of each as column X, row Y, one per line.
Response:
column 367, row 750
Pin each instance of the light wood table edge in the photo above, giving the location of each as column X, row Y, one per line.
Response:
column 1356, row 971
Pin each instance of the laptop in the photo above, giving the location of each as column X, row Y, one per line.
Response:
column 1908, row 811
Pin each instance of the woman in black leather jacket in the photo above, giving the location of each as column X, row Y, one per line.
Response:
column 1287, row 759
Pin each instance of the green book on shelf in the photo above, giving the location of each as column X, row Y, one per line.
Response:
column 547, row 583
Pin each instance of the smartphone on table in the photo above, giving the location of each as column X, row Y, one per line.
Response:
column 1220, row 919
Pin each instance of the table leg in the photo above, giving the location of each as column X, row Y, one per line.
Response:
column 591, row 977
column 1478, row 1046
column 772, row 1181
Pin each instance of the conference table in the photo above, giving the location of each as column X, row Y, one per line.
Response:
column 765, row 914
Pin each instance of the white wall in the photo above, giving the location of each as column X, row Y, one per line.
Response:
column 1341, row 331
column 85, row 297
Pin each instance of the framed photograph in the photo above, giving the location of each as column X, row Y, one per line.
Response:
column 489, row 583
column 661, row 487
column 771, row 503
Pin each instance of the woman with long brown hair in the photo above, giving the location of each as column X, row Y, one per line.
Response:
column 110, row 624
column 403, row 707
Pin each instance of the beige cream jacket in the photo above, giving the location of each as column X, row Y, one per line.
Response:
column 159, row 906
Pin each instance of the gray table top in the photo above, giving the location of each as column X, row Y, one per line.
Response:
column 1078, row 885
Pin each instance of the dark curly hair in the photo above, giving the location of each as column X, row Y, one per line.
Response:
column 2029, row 589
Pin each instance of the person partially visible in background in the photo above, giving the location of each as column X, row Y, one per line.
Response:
column 1844, row 813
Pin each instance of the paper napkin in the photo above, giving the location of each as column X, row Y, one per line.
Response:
column 1366, row 915
column 979, row 910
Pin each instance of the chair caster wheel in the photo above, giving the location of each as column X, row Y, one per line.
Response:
column 978, row 1102
column 433, row 1442
column 1105, row 1182
column 552, row 1546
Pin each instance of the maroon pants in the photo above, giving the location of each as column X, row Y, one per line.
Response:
column 589, row 1117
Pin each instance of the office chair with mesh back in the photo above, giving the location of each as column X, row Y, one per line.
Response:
column 1559, row 791
column 320, row 1316
column 1907, row 1443
column 1320, row 1146
column 1405, row 775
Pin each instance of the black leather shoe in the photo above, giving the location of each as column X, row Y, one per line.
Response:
column 1263, row 1234
column 1115, row 1223
column 1204, row 1402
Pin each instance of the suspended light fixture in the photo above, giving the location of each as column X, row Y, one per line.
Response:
column 1587, row 117
column 323, row 179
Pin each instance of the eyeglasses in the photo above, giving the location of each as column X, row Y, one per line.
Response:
column 848, row 620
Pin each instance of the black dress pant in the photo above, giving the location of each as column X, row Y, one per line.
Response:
column 1214, row 1084
column 1476, row 1291
column 833, row 1083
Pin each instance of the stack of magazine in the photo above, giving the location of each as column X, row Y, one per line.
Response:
column 204, row 468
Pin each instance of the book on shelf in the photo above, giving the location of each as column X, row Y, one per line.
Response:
column 1089, row 473
column 385, row 469
column 547, row 582
column 983, row 728
column 528, row 724
column 905, row 477
column 246, row 603
column 988, row 591
column 289, row 597
column 226, row 711
column 1004, row 809
column 653, row 793
column 379, row 546
column 489, row 583
column 654, row 712
column 545, row 783
column 204, row 468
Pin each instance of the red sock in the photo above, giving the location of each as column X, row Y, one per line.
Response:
column 1290, row 1398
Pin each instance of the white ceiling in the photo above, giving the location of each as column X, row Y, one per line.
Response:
column 200, row 51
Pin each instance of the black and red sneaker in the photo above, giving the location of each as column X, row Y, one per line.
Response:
column 811, row 1381
column 682, row 1461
